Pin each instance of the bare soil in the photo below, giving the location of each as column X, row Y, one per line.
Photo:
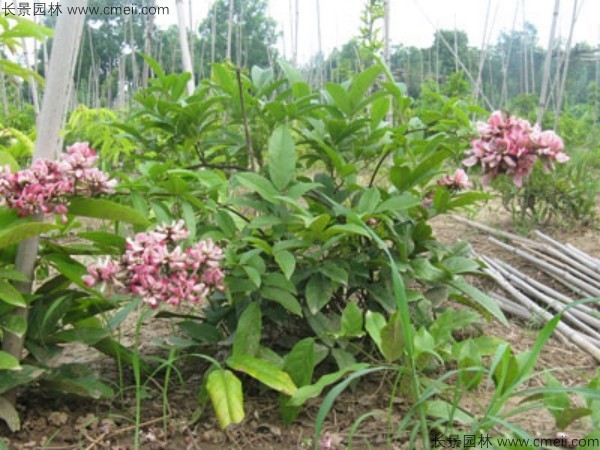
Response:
column 71, row 423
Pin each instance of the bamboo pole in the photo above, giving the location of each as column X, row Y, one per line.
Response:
column 547, row 62
column 495, row 232
column 560, row 275
column 185, row 48
column 67, row 38
column 575, row 337
column 549, row 291
column 575, row 317
column 522, row 313
column 229, row 30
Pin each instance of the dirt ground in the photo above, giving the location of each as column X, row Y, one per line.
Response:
column 71, row 423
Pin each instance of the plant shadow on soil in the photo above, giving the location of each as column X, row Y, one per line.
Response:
column 66, row 423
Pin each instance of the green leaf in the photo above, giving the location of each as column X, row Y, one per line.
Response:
column 104, row 238
column 153, row 64
column 23, row 231
column 556, row 402
column 199, row 331
column 283, row 297
column 340, row 97
column 85, row 335
column 448, row 412
column 369, row 200
column 334, row 272
column 248, row 331
column 106, row 209
column 424, row 270
column 361, row 84
column 263, row 371
column 14, row 378
column 470, row 358
column 10, row 295
column 8, row 361
column 349, row 228
column 374, row 323
column 281, row 157
column 300, row 361
column 460, row 264
column 318, row 293
column 69, row 267
column 257, row 183
column 392, row 338
column 379, row 110
column 77, row 379
column 9, row 414
column 397, row 203
column 287, row 262
column 352, row 321
column 225, row 391
column 486, row 302
column 189, row 217
column 14, row 324
column 305, row 393
column 6, row 159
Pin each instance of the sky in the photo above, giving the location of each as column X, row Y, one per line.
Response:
column 413, row 21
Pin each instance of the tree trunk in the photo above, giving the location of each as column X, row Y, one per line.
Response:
column 3, row 93
column 229, row 30
column 296, row 33
column 47, row 145
column 548, row 60
column 386, row 32
column 186, row 57
column 213, row 33
column 149, row 19
column 563, row 81
column 506, row 62
column 482, row 54
column 32, row 83
column 321, row 59
column 134, row 67
column 238, row 56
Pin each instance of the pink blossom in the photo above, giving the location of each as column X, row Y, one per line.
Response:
column 46, row 186
column 457, row 182
column 511, row 146
column 157, row 269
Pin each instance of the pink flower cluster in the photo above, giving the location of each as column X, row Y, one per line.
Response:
column 459, row 181
column 156, row 268
column 47, row 185
column 511, row 146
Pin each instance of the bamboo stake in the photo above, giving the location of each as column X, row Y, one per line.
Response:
column 519, row 311
column 575, row 317
column 567, row 267
column 560, row 275
column 577, row 338
column 573, row 252
column 547, row 61
column 589, row 260
column 548, row 290
column 495, row 232
column 563, row 81
column 185, row 48
column 48, row 142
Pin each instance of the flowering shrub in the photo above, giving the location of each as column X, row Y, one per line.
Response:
column 510, row 145
column 156, row 268
column 46, row 186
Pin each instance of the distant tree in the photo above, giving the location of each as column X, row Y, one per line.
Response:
column 257, row 30
column 447, row 58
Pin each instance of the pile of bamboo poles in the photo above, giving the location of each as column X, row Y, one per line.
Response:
column 531, row 299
